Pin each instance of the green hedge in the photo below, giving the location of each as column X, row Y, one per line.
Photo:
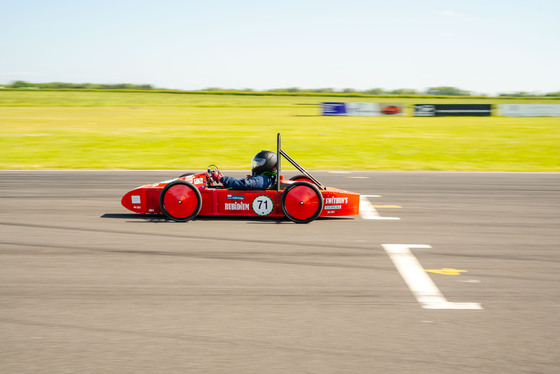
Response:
column 301, row 94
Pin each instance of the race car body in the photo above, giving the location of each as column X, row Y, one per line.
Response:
column 301, row 199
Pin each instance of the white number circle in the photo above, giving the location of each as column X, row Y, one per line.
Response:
column 263, row 205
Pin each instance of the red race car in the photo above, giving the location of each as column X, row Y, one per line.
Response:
column 301, row 199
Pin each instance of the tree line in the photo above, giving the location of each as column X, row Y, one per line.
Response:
column 86, row 86
column 436, row 91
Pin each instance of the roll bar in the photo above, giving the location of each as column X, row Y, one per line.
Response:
column 280, row 152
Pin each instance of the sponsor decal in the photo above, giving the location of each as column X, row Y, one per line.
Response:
column 235, row 197
column 135, row 199
column 193, row 180
column 362, row 109
column 468, row 111
column 333, row 207
column 430, row 110
column 334, row 109
column 263, row 205
column 236, row 206
column 425, row 110
column 530, row 110
column 335, row 200
column 391, row 110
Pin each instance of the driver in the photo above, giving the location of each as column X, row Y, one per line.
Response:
column 263, row 168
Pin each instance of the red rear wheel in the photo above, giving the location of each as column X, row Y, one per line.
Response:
column 180, row 201
column 302, row 202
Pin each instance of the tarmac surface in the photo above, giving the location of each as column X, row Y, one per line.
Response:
column 446, row 273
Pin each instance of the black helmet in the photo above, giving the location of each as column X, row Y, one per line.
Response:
column 263, row 161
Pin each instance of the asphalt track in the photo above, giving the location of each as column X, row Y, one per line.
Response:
column 87, row 287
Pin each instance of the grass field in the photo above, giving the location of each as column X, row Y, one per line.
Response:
column 118, row 130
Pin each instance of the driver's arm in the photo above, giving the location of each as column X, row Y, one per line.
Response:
column 250, row 183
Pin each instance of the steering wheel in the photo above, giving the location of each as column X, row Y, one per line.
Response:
column 212, row 169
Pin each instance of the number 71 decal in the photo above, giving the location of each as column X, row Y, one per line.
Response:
column 263, row 205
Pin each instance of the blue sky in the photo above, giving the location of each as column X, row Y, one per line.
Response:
column 481, row 46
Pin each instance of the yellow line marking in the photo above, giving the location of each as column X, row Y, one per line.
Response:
column 388, row 206
column 446, row 271
column 359, row 177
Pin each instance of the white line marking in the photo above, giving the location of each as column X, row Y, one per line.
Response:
column 419, row 282
column 368, row 211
